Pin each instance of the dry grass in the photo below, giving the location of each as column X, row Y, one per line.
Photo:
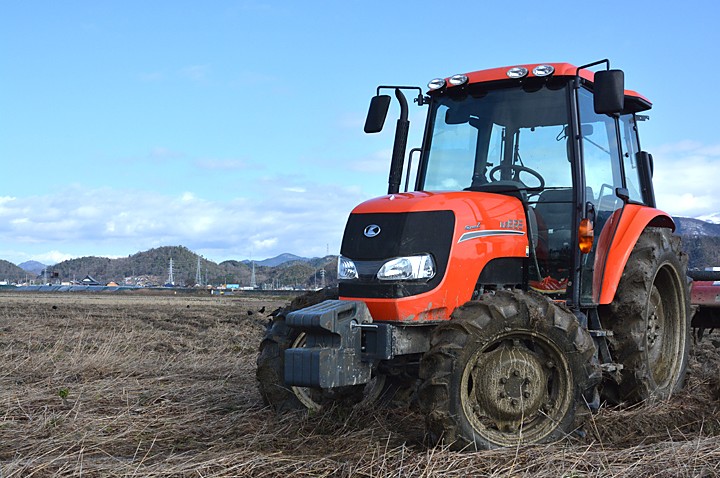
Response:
column 107, row 385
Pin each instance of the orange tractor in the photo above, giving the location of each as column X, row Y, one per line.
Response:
column 525, row 277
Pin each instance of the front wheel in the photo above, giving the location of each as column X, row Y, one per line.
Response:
column 509, row 369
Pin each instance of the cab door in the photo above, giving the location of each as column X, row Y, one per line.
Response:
column 602, row 169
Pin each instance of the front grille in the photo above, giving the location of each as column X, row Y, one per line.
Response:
column 401, row 234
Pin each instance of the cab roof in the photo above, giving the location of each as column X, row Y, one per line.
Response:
column 635, row 102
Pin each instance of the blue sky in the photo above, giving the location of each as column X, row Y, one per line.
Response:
column 235, row 127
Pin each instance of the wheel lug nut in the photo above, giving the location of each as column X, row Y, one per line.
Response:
column 526, row 394
column 514, row 402
column 516, row 373
column 550, row 364
column 503, row 380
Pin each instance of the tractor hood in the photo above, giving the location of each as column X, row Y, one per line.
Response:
column 460, row 231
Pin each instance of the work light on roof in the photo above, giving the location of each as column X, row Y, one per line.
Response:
column 436, row 84
column 517, row 72
column 458, row 80
column 543, row 70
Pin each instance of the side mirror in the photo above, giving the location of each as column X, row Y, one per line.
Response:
column 645, row 163
column 377, row 113
column 609, row 91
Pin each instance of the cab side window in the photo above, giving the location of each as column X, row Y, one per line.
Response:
column 601, row 155
column 628, row 137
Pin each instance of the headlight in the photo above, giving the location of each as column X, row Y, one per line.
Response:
column 346, row 269
column 408, row 268
column 436, row 84
column 458, row 80
column 517, row 72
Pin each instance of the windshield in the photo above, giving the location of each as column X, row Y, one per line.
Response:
column 508, row 138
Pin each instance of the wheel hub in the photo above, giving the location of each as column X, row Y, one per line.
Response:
column 511, row 383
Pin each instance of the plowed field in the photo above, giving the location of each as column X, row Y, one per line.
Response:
column 159, row 386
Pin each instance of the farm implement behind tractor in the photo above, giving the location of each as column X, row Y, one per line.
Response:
column 705, row 299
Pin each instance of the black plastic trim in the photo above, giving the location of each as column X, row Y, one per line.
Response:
column 503, row 271
column 401, row 234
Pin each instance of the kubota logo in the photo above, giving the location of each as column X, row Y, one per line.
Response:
column 372, row 230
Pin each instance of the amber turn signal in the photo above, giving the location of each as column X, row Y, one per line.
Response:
column 585, row 236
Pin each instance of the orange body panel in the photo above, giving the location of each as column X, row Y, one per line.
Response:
column 561, row 69
column 487, row 226
column 616, row 248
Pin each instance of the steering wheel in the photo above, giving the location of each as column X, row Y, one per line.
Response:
column 516, row 175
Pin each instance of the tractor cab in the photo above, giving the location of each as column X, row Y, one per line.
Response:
column 560, row 139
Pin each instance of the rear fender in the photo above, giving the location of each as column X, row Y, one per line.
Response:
column 616, row 243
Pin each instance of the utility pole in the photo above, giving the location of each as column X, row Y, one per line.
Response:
column 253, row 280
column 198, row 275
column 171, row 278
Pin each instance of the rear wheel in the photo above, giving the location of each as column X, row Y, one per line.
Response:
column 508, row 369
column 650, row 319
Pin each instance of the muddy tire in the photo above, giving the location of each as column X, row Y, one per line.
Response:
column 650, row 320
column 271, row 367
column 508, row 369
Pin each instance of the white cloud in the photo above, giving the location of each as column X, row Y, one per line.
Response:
column 81, row 222
column 265, row 243
column 51, row 257
column 685, row 178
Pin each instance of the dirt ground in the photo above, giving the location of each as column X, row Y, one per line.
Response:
column 159, row 386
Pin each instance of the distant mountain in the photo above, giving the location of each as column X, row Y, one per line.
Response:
column 149, row 267
column 687, row 226
column 10, row 272
column 152, row 268
column 32, row 266
column 281, row 259
column 700, row 240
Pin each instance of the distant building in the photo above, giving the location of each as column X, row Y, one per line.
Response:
column 89, row 281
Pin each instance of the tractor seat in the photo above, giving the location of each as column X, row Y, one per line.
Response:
column 554, row 212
